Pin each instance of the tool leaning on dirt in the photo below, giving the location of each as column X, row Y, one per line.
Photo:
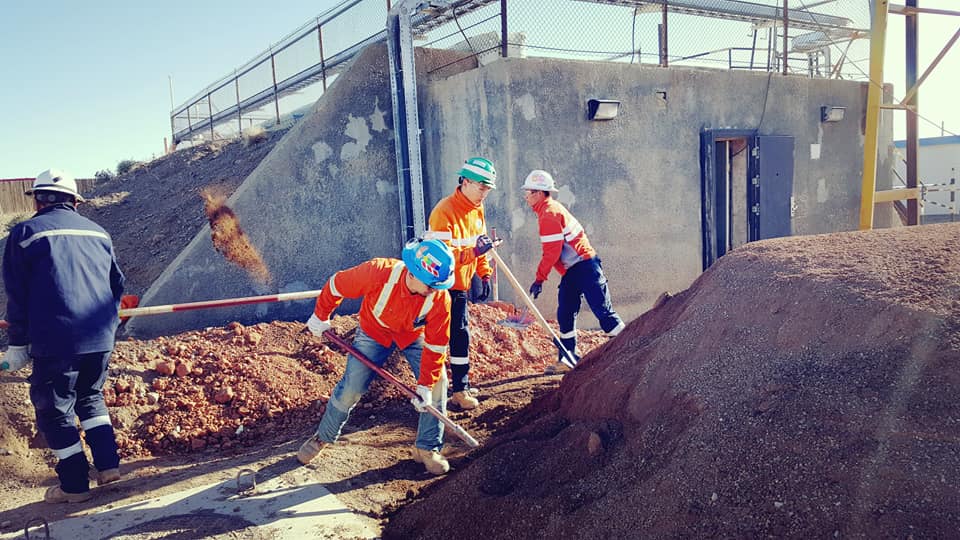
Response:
column 406, row 390
column 565, row 356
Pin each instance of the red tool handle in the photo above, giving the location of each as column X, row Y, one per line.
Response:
column 345, row 345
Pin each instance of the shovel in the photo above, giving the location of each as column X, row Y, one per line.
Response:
column 567, row 358
column 345, row 345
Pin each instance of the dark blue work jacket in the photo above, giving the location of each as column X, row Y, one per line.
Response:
column 63, row 284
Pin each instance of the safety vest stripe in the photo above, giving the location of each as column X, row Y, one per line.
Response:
column 386, row 291
column 64, row 453
column 333, row 287
column 96, row 421
column 427, row 306
column 439, row 349
column 551, row 238
column 62, row 232
column 459, row 360
column 568, row 335
column 438, row 235
column 572, row 230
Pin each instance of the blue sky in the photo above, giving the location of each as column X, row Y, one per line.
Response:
column 85, row 84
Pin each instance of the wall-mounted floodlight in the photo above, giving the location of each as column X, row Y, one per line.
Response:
column 602, row 109
column 829, row 113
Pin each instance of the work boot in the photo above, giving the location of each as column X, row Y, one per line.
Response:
column 103, row 477
column 57, row 495
column 556, row 369
column 464, row 400
column 310, row 449
column 433, row 460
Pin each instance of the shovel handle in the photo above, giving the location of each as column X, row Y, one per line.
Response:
column 568, row 358
column 407, row 391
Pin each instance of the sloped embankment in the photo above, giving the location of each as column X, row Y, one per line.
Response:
column 803, row 387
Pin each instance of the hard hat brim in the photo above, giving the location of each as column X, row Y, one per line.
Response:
column 54, row 188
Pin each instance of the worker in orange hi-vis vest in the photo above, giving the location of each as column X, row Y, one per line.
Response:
column 405, row 306
column 566, row 249
column 459, row 221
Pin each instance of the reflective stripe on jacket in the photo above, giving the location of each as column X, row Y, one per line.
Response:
column 562, row 237
column 390, row 313
column 63, row 284
column 459, row 222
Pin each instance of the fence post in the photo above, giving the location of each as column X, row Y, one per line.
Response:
column 664, row 61
column 276, row 98
column 786, row 30
column 236, row 84
column 503, row 28
column 210, row 115
column 323, row 62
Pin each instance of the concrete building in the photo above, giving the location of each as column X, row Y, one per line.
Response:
column 695, row 163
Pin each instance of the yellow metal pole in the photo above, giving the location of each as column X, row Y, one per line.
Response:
column 878, row 37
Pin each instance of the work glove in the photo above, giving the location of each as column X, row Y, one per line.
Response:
column 128, row 301
column 536, row 289
column 484, row 289
column 484, row 244
column 424, row 395
column 316, row 326
column 15, row 358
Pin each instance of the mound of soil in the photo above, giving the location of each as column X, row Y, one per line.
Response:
column 802, row 387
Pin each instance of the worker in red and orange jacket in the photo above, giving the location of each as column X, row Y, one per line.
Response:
column 405, row 306
column 566, row 249
column 458, row 220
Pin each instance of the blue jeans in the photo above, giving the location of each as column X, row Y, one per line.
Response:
column 356, row 380
column 62, row 389
column 584, row 279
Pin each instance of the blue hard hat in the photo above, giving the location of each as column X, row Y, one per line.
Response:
column 430, row 261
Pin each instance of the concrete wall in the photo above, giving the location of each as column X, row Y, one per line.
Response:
column 324, row 199
column 634, row 182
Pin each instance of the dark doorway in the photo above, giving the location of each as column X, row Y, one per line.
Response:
column 746, row 189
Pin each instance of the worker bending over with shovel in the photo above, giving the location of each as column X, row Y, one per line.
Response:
column 459, row 221
column 63, row 291
column 566, row 248
column 405, row 306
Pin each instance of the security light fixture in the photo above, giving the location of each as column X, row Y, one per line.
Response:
column 829, row 113
column 602, row 109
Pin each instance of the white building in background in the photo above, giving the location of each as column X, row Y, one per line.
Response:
column 938, row 167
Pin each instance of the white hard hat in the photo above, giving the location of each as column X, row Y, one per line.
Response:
column 539, row 180
column 55, row 180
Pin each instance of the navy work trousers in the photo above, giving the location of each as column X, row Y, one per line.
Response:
column 584, row 279
column 63, row 389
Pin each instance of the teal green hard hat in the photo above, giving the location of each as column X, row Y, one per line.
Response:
column 480, row 170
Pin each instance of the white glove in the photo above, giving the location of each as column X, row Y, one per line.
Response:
column 15, row 358
column 424, row 396
column 316, row 326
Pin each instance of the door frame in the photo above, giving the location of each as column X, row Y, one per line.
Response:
column 710, row 192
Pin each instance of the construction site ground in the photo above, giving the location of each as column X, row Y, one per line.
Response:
column 801, row 388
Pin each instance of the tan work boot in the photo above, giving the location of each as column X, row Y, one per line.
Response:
column 310, row 449
column 556, row 369
column 464, row 400
column 433, row 460
column 103, row 477
column 57, row 495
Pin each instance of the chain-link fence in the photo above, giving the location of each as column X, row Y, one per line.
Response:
column 814, row 38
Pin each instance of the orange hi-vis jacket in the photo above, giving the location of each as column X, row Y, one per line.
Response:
column 563, row 238
column 390, row 313
column 458, row 222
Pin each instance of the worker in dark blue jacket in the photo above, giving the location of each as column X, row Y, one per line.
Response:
column 63, row 291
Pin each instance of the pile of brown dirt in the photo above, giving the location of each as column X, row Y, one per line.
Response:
column 802, row 387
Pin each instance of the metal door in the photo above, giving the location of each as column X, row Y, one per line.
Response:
column 771, row 186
